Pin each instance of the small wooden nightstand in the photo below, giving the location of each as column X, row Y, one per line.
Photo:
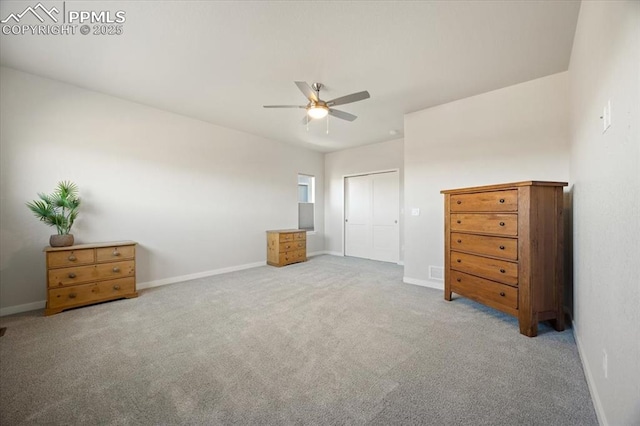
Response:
column 286, row 246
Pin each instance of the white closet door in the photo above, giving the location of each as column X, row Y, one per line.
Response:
column 358, row 217
column 371, row 216
column 385, row 231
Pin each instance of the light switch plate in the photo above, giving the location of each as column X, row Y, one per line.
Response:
column 415, row 212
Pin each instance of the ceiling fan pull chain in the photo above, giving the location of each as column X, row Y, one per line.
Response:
column 307, row 123
column 327, row 124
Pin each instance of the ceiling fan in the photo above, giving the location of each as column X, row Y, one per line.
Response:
column 317, row 108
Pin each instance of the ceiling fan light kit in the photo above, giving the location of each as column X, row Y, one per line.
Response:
column 317, row 108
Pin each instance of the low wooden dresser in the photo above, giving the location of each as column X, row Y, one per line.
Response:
column 89, row 273
column 504, row 247
column 286, row 246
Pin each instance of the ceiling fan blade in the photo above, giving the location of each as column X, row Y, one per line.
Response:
column 283, row 106
column 354, row 97
column 341, row 114
column 308, row 92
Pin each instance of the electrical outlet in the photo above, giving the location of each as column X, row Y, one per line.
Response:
column 605, row 364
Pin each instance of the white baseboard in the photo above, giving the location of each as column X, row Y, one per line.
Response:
column 335, row 253
column 173, row 280
column 316, row 253
column 424, row 283
column 595, row 397
column 10, row 310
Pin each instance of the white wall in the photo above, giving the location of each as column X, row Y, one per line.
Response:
column 605, row 170
column 197, row 197
column 370, row 158
column 513, row 134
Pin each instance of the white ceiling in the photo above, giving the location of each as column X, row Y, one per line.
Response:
column 221, row 61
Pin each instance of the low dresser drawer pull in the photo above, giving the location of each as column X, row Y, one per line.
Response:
column 72, row 295
column 501, row 200
column 459, row 202
column 116, row 253
column 72, row 275
column 116, row 269
column 72, row 258
column 459, row 221
column 501, row 247
column 501, row 223
column 502, row 293
column 459, row 279
column 502, row 271
column 459, row 260
column 116, row 287
column 459, row 241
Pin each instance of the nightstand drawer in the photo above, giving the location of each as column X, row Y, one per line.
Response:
column 493, row 269
column 59, row 259
column 496, row 201
column 110, row 254
column 481, row 244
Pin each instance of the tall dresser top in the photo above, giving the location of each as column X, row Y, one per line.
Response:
column 502, row 186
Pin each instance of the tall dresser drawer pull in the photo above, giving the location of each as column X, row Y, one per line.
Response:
column 501, row 223
column 72, row 258
column 459, row 260
column 501, row 200
column 501, row 247
column 459, row 241
column 459, row 202
column 116, row 269
column 459, row 280
column 72, row 295
column 116, row 287
column 502, row 293
column 72, row 275
column 116, row 253
column 459, row 221
column 502, row 271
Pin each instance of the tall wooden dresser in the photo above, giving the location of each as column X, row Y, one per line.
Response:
column 286, row 246
column 89, row 273
column 504, row 248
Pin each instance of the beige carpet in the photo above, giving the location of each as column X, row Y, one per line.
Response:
column 330, row 341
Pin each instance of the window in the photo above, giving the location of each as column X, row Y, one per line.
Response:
column 306, row 199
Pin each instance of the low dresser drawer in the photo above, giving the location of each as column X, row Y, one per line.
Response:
column 293, row 256
column 490, row 293
column 90, row 292
column 83, row 274
column 299, row 236
column 481, row 244
column 293, row 245
column 493, row 269
column 289, row 236
column 501, row 224
column 115, row 253
column 494, row 201
column 59, row 259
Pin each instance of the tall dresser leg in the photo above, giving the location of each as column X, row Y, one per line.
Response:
column 528, row 326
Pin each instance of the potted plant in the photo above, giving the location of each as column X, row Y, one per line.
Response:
column 59, row 209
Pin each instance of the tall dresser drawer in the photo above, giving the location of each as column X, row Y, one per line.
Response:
column 490, row 223
column 488, row 292
column 495, row 201
column 493, row 269
column 482, row 244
